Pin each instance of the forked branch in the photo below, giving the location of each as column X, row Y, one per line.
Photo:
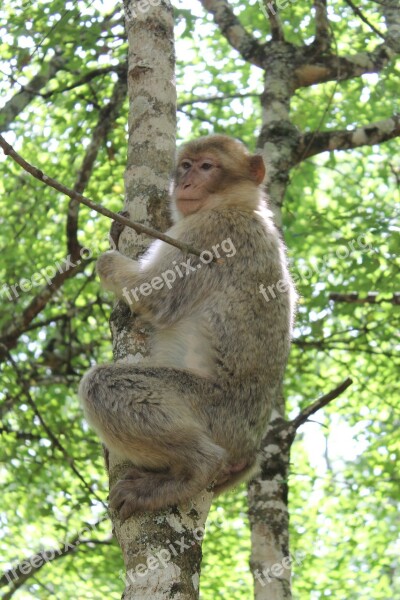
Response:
column 305, row 414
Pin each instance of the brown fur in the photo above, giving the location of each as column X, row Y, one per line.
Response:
column 195, row 413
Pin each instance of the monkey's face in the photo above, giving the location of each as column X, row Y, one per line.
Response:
column 196, row 178
column 213, row 165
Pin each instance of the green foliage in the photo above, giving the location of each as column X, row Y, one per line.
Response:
column 339, row 223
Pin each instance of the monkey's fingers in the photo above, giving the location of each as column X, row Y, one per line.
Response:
column 117, row 228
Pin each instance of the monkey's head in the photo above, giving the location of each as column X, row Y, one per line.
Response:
column 212, row 167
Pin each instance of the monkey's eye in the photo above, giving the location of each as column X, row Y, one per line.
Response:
column 186, row 165
column 206, row 166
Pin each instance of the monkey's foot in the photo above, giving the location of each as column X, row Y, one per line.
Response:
column 230, row 470
column 140, row 490
column 117, row 228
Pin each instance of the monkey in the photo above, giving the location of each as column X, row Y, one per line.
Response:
column 193, row 414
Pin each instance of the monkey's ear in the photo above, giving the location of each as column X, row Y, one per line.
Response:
column 257, row 168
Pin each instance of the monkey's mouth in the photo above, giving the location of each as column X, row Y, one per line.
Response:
column 189, row 199
column 189, row 205
column 190, row 196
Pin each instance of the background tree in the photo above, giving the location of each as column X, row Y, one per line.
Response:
column 63, row 84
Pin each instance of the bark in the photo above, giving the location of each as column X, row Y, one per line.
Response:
column 161, row 551
column 367, row 135
column 269, row 517
column 271, row 559
column 230, row 26
column 275, row 24
column 323, row 37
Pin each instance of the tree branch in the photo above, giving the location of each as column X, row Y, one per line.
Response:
column 107, row 116
column 305, row 414
column 331, row 67
column 326, row 141
column 21, row 99
column 18, row 575
column 12, row 331
column 275, row 22
column 364, row 19
column 371, row 298
column 120, row 69
column 323, row 36
column 230, row 26
column 138, row 227
column 209, row 99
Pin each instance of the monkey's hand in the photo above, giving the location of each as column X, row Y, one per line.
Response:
column 116, row 230
column 117, row 272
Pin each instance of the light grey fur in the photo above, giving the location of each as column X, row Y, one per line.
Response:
column 196, row 411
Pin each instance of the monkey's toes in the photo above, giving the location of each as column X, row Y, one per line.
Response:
column 124, row 499
column 124, row 494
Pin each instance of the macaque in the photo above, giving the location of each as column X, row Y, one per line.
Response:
column 193, row 415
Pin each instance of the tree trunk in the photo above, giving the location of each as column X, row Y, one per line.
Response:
column 162, row 551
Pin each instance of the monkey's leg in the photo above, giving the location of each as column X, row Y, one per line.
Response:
column 235, row 474
column 145, row 414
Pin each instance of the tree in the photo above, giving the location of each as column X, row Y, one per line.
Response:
column 327, row 83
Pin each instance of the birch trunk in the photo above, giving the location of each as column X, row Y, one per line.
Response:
column 268, row 495
column 161, row 551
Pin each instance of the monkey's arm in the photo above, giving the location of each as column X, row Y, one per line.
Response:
column 166, row 289
column 117, row 271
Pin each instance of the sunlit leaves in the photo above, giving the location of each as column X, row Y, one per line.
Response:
column 340, row 224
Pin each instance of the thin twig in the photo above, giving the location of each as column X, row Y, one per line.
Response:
column 220, row 98
column 364, row 19
column 56, row 442
column 371, row 298
column 320, row 403
column 138, row 227
column 17, row 576
column 120, row 69
column 275, row 23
